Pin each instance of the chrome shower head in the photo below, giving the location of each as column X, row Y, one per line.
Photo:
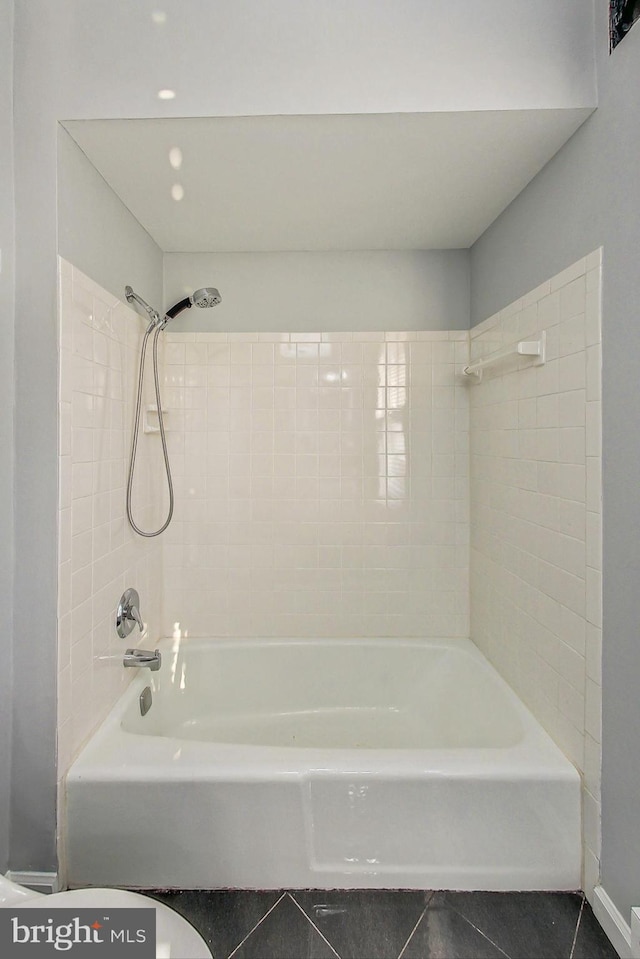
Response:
column 205, row 297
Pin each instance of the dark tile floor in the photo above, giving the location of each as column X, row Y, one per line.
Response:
column 384, row 924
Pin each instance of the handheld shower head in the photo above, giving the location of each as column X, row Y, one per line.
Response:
column 204, row 298
column 207, row 296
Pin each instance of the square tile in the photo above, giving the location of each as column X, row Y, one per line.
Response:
column 284, row 933
column 364, row 923
column 223, row 918
column 591, row 941
column 522, row 924
column 443, row 933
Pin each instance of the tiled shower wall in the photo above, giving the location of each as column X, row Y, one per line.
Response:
column 322, row 484
column 100, row 340
column 536, row 530
column 322, row 488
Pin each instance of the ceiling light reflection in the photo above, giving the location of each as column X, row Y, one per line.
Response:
column 175, row 157
column 166, row 94
column 177, row 192
column 159, row 17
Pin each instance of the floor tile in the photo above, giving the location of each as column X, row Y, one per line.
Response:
column 285, row 933
column 591, row 941
column 443, row 933
column 384, row 924
column 222, row 917
column 364, row 923
column 522, row 924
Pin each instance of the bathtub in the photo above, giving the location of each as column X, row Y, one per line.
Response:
column 330, row 763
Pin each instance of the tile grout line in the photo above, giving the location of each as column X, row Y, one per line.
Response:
column 428, row 897
column 483, row 934
column 259, row 923
column 309, row 920
column 575, row 935
column 421, row 917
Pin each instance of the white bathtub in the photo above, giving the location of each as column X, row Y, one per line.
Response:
column 334, row 763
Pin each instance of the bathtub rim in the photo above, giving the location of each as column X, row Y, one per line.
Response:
column 137, row 757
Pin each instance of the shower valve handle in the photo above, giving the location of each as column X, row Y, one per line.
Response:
column 128, row 613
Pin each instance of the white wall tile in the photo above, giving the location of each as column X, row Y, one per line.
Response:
column 332, row 438
column 98, row 556
column 325, row 486
column 537, row 530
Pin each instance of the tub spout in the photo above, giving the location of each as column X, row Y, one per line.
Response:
column 143, row 657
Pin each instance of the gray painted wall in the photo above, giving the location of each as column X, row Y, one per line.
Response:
column 33, row 783
column 288, row 57
column 589, row 195
column 6, row 414
column 281, row 57
column 98, row 234
column 359, row 290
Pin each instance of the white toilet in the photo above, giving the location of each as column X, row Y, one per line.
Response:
column 175, row 937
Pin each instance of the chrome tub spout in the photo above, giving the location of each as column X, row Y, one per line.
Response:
column 143, row 657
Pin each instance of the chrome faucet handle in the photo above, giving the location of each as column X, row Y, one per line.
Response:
column 128, row 613
column 135, row 613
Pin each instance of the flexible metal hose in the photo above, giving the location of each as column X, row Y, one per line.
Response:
column 136, row 431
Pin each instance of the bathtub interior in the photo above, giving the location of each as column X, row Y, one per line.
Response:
column 335, row 695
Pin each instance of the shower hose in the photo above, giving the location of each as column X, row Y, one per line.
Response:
column 157, row 328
